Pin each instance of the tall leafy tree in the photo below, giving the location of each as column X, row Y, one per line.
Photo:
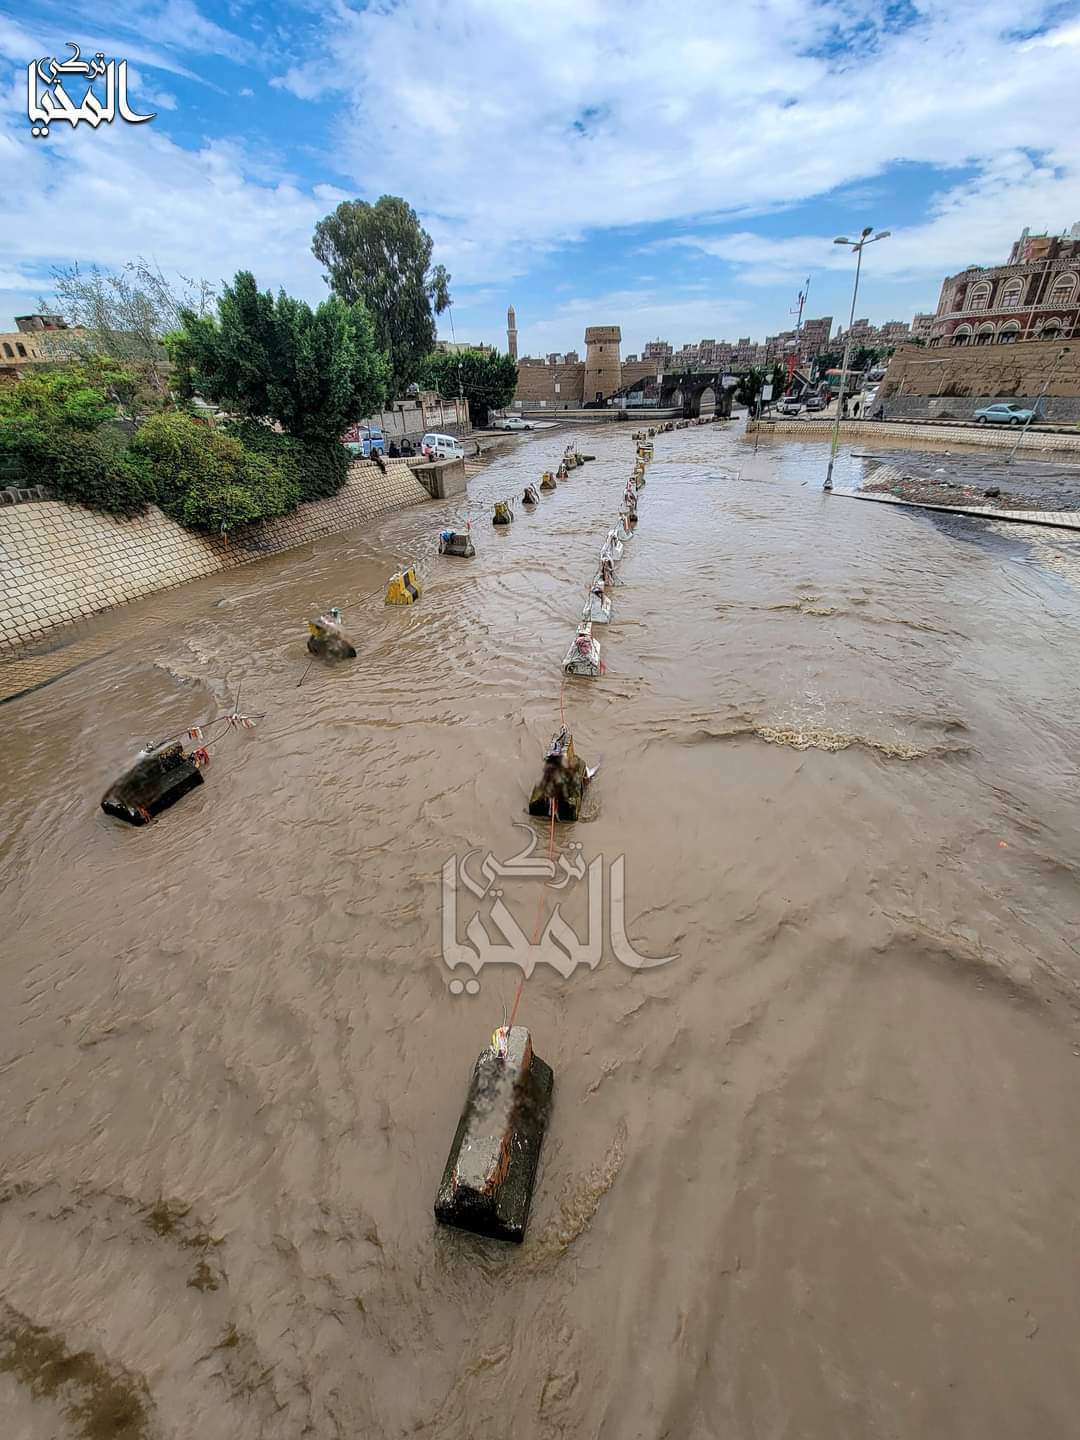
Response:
column 314, row 371
column 485, row 378
column 122, row 315
column 380, row 255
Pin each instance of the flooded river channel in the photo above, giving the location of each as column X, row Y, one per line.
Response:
column 816, row 1176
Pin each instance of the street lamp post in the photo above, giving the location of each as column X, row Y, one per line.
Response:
column 858, row 246
column 1035, row 409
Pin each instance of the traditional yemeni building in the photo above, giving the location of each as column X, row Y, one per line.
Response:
column 26, row 344
column 35, row 342
column 921, row 325
column 511, row 333
column 564, row 382
column 1035, row 296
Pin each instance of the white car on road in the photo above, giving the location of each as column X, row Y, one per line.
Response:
column 511, row 422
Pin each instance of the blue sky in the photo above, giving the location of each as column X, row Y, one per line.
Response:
column 578, row 158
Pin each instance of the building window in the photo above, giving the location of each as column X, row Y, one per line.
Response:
column 1051, row 330
column 985, row 335
column 1009, row 334
column 1062, row 290
column 978, row 296
column 961, row 336
column 21, row 349
column 8, row 351
column 1010, row 296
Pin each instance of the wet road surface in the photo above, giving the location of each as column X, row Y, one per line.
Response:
column 815, row 1177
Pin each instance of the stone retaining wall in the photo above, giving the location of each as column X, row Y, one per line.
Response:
column 60, row 563
column 1057, row 409
column 999, row 437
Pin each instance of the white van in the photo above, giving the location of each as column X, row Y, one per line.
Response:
column 441, row 447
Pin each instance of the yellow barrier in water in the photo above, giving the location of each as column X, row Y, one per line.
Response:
column 404, row 587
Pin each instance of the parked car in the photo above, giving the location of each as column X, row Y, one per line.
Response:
column 441, row 447
column 1003, row 412
column 512, row 422
column 817, row 402
column 789, row 405
column 365, row 441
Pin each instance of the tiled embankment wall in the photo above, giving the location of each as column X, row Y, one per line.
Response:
column 995, row 437
column 60, row 563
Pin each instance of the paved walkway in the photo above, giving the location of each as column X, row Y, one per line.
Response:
column 1056, row 519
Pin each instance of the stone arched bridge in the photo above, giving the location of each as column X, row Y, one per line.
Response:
column 691, row 391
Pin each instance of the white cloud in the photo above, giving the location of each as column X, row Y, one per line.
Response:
column 971, row 223
column 22, row 44
column 517, row 134
column 513, row 142
column 109, row 195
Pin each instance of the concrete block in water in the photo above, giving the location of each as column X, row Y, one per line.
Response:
column 157, row 780
column 488, row 1181
column 404, row 587
column 456, row 542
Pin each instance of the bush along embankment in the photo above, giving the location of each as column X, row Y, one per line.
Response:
column 62, row 428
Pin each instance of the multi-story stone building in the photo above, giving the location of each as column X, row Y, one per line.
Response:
column 1034, row 296
column 874, row 337
column 29, row 344
column 814, row 337
column 921, row 325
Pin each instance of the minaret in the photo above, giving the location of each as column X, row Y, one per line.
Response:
column 511, row 333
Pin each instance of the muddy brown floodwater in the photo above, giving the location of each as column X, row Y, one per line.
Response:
column 816, row 1177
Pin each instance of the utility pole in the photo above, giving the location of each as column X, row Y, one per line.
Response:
column 1035, row 409
column 798, row 313
column 858, row 246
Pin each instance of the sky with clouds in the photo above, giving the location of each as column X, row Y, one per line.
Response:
column 580, row 158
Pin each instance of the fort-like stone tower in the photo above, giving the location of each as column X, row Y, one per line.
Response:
column 511, row 333
column 603, row 369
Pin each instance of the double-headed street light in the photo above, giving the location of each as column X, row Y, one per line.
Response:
column 867, row 238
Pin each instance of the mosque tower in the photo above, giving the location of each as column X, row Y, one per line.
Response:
column 511, row 332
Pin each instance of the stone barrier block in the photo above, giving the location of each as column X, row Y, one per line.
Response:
column 488, row 1180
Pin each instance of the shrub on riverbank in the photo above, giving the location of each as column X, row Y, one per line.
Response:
column 208, row 480
column 55, row 429
column 318, row 468
column 59, row 427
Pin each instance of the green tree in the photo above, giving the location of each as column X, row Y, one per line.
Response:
column 750, row 384
column 862, row 357
column 123, row 315
column 485, row 378
column 380, row 255
column 313, row 371
column 753, row 381
column 56, row 429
